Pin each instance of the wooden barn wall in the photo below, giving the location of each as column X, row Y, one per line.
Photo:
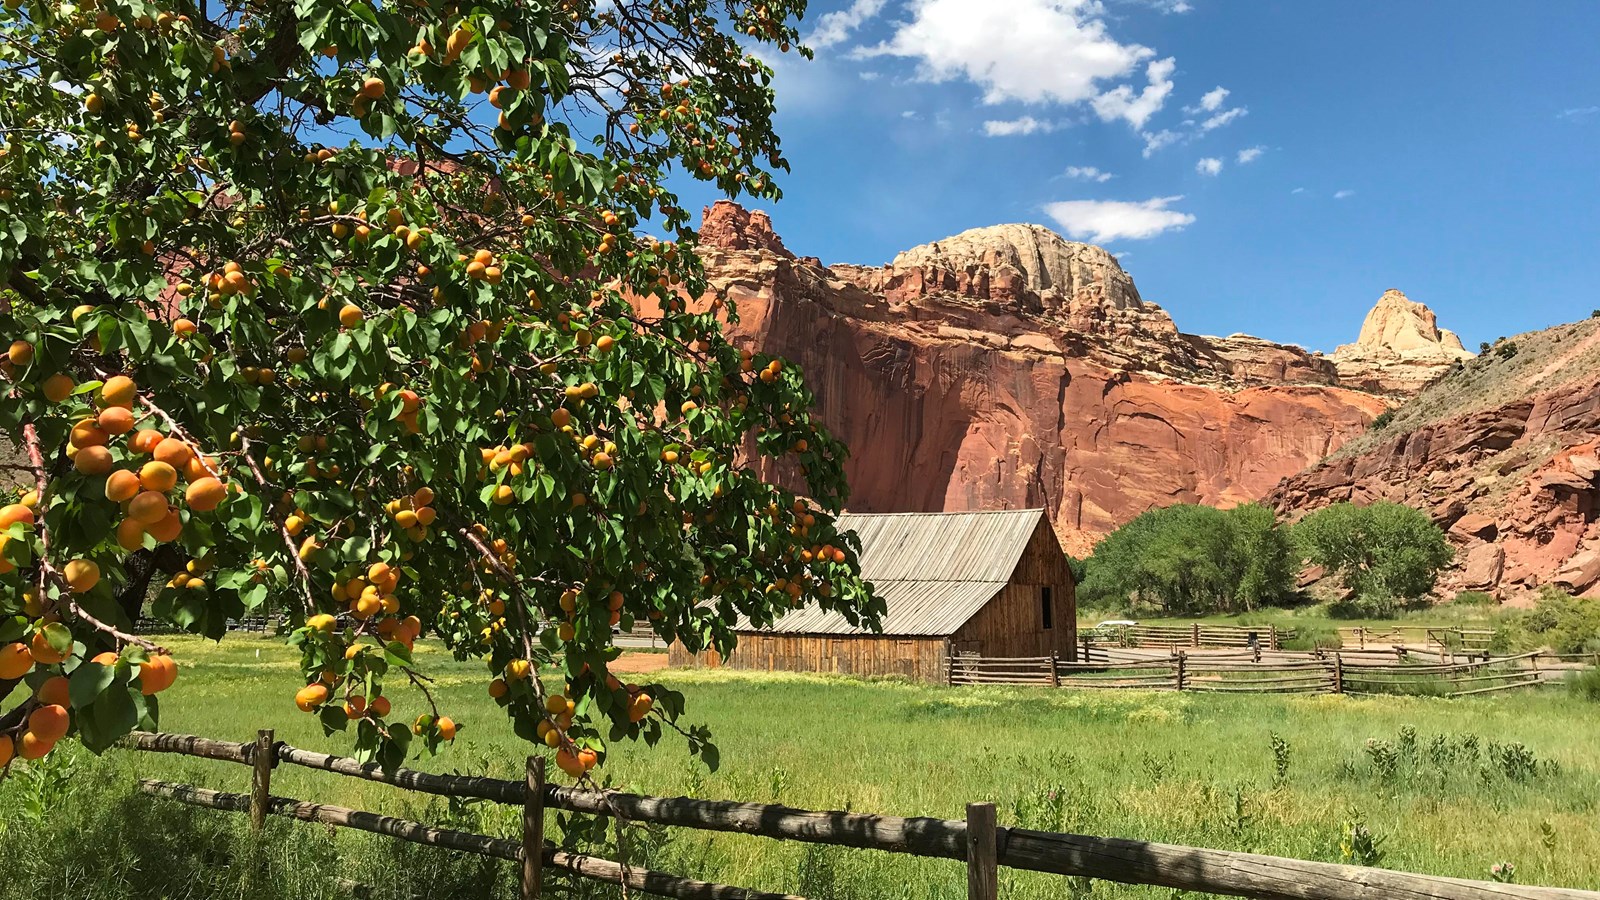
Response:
column 920, row 658
column 1012, row 624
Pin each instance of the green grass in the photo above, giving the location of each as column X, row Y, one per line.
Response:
column 1186, row 769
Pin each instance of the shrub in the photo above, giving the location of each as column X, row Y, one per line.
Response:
column 1558, row 620
column 1383, row 420
column 1586, row 684
column 1506, row 350
column 1385, row 552
column 1192, row 559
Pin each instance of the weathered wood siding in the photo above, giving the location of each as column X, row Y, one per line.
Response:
column 1012, row 624
column 920, row 658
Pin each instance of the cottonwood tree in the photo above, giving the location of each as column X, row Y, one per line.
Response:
column 348, row 309
column 1385, row 552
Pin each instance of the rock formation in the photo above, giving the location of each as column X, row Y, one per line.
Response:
column 1505, row 455
column 1401, row 348
column 1008, row 367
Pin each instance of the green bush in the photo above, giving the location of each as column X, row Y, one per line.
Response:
column 1558, row 620
column 1586, row 684
column 1192, row 559
column 1387, row 553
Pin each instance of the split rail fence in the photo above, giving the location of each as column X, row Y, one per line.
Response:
column 979, row 841
column 1197, row 634
column 1260, row 672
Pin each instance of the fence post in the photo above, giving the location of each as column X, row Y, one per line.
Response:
column 533, row 829
column 1196, row 632
column 1272, row 631
column 1338, row 674
column 1055, row 669
column 1179, row 670
column 983, row 870
column 262, row 759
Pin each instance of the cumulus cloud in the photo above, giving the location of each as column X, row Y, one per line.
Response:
column 1249, row 154
column 1223, row 118
column 1155, row 140
column 1102, row 221
column 1088, row 173
column 1122, row 103
column 837, row 26
column 1212, row 100
column 1340, row 195
column 1034, row 51
column 1013, row 127
column 1209, row 166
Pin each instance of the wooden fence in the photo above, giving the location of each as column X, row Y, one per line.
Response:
column 1197, row 634
column 1258, row 672
column 978, row 841
column 1466, row 641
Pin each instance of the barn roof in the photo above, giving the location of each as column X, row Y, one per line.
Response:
column 934, row 571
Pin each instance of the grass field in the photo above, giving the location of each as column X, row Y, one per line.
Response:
column 1447, row 787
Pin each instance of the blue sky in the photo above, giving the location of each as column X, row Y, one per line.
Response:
column 1451, row 150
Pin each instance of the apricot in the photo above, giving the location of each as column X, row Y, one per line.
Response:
column 145, row 440
column 379, row 706
column 157, row 674
column 92, row 460
column 82, row 575
column 148, row 508
column 167, row 530
column 43, row 653
column 311, row 696
column 204, row 494
column 49, row 723
column 33, row 747
column 20, row 353
column 130, row 534
column 54, row 690
column 118, row 390
column 7, row 750
column 158, row 476
column 116, row 420
column 15, row 661
column 88, row 434
column 351, row 315
column 13, row 513
column 372, row 88
column 639, row 707
column 58, row 387
column 173, row 452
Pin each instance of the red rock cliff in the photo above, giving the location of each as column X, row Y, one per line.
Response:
column 1008, row 368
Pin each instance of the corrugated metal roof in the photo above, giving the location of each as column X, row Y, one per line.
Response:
column 934, row 571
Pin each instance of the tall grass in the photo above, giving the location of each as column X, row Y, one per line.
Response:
column 1291, row 776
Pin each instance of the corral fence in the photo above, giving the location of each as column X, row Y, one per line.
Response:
column 1468, row 641
column 979, row 841
column 1257, row 672
column 1197, row 634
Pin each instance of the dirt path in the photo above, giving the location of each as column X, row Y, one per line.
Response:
column 638, row 663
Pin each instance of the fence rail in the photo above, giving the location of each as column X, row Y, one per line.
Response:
column 1197, row 634
column 1261, row 672
column 981, row 843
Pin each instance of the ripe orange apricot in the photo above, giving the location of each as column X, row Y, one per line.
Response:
column 57, row 387
column 380, row 707
column 49, row 723
column 350, row 315
column 639, row 707
column 204, row 494
column 497, row 688
column 130, row 534
column 183, row 328
column 118, row 390
column 54, row 690
column 15, row 661
column 148, row 508
column 92, row 460
column 121, row 485
column 7, row 750
column 43, row 653
column 447, row 728
column 157, row 674
column 34, row 748
column 167, row 530
column 311, row 696
column 145, row 440
column 20, row 353
column 568, row 762
column 116, row 420
column 82, row 575
column 158, row 476
column 12, row 513
column 173, row 452
column 88, row 434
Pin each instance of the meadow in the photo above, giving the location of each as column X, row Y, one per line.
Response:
column 1448, row 787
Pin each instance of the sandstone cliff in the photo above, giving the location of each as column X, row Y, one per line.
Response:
column 1504, row 453
column 1401, row 348
column 1008, row 367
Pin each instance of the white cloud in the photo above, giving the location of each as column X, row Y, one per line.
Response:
column 909, row 114
column 1212, row 101
column 1171, row 7
column 1102, row 221
column 1034, row 51
column 1155, row 140
column 869, row 75
column 1298, row 190
column 1209, row 166
column 1012, row 127
column 1578, row 112
column 835, row 27
column 1340, row 195
column 1249, row 154
column 1122, row 103
column 1088, row 173
column 1223, row 118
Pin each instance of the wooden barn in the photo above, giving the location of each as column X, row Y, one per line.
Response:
column 991, row 583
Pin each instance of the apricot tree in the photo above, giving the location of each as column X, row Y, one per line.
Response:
column 350, row 310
